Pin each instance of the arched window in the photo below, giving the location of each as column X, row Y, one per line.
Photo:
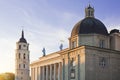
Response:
column 19, row 46
column 19, row 55
column 24, row 55
column 24, row 65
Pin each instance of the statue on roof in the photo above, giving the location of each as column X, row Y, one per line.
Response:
column 61, row 46
column 44, row 52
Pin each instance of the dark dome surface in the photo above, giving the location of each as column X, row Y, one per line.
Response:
column 89, row 25
column 23, row 40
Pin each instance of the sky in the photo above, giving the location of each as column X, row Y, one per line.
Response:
column 46, row 23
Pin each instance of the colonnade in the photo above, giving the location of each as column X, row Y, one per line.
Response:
column 47, row 72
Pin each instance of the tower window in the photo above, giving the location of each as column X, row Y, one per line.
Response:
column 24, row 65
column 24, row 56
column 19, row 46
column 27, row 47
column 28, row 56
column 24, row 45
column 19, row 55
column 19, row 65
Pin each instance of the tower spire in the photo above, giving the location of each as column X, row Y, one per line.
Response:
column 22, row 33
column 22, row 39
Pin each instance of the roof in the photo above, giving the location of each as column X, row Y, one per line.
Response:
column 22, row 39
column 89, row 25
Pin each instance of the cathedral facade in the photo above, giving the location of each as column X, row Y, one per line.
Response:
column 93, row 54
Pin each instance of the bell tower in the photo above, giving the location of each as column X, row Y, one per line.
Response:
column 22, row 60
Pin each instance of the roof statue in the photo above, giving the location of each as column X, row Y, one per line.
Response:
column 61, row 46
column 44, row 52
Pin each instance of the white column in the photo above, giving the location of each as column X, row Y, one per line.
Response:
column 40, row 73
column 34, row 74
column 55, row 71
column 46, row 72
column 43, row 75
column 51, row 72
column 31, row 73
column 59, row 71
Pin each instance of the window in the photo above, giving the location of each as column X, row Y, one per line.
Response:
column 28, row 56
column 27, row 47
column 24, row 55
column 102, row 62
column 19, row 46
column 102, row 43
column 24, row 65
column 19, row 65
column 72, row 69
column 73, row 44
column 24, row 45
column 72, row 74
column 19, row 55
column 89, row 13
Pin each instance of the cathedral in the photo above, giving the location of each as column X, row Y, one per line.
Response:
column 93, row 54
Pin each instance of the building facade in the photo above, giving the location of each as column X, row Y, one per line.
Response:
column 93, row 54
column 22, row 60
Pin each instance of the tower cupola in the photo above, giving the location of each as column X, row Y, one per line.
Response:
column 89, row 11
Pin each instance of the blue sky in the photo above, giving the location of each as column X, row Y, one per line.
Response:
column 46, row 22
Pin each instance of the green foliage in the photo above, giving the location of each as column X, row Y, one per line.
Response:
column 7, row 76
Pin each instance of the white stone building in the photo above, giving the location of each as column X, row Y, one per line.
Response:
column 93, row 54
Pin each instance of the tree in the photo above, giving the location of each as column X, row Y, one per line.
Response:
column 7, row 76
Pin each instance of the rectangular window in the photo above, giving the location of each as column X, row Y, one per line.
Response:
column 102, row 43
column 73, row 44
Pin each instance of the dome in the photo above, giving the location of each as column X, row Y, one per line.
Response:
column 89, row 25
column 22, row 39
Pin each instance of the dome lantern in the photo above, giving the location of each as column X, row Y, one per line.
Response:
column 89, row 25
column 89, row 11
